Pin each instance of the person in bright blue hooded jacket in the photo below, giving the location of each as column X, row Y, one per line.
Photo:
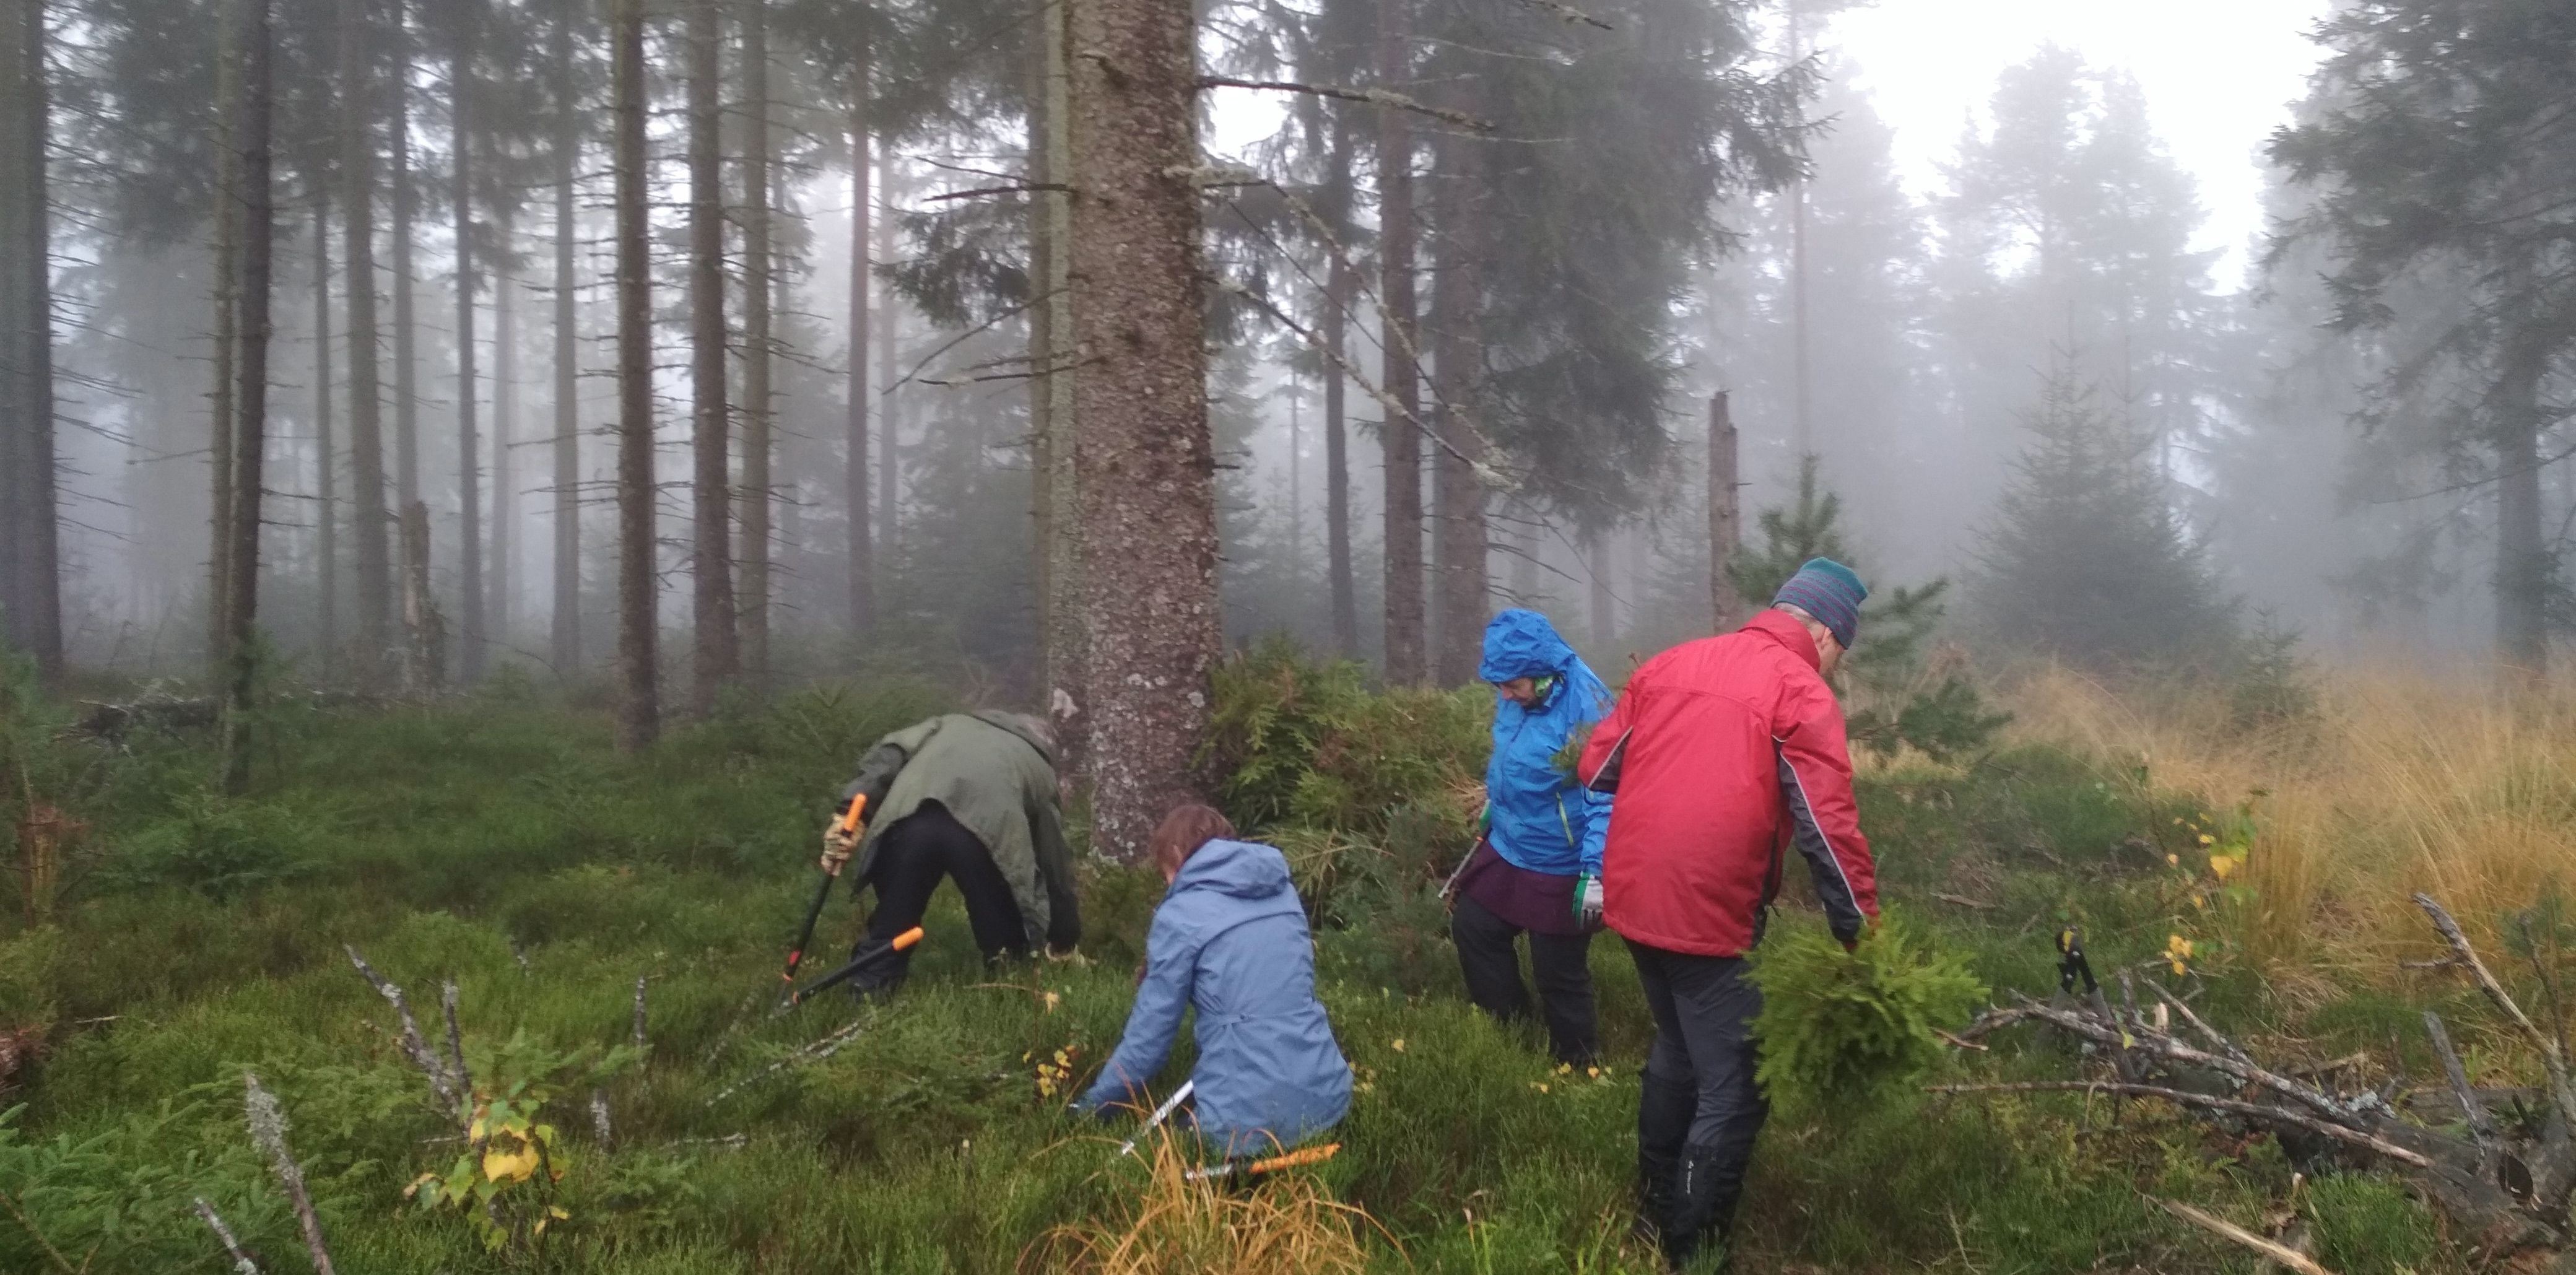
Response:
column 1537, row 867
column 1230, row 940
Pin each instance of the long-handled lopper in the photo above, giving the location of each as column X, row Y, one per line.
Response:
column 1245, row 1170
column 1161, row 1114
column 858, row 964
column 847, row 823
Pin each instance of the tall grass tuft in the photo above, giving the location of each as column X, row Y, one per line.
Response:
column 1289, row 1223
column 2390, row 782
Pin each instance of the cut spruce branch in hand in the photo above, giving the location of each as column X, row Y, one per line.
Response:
column 2505, row 1191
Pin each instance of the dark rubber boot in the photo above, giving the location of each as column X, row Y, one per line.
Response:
column 1664, row 1110
column 1704, row 1201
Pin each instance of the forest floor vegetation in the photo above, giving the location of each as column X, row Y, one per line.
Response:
column 172, row 939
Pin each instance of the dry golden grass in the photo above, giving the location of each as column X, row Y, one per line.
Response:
column 1287, row 1224
column 2404, row 781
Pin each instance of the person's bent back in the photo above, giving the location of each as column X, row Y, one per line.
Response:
column 1230, row 939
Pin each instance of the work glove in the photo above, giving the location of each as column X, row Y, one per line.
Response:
column 838, row 846
column 1587, row 901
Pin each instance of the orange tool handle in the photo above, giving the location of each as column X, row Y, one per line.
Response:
column 903, row 942
column 849, row 821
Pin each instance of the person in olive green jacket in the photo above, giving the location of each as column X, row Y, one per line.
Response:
column 971, row 797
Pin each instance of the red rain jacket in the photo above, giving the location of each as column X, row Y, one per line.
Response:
column 1722, row 752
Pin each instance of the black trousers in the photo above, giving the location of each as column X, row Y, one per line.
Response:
column 930, row 844
column 1493, row 969
column 1700, row 1110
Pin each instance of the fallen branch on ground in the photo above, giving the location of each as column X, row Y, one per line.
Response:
column 2224, row 1229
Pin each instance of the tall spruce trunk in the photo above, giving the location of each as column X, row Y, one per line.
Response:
column 566, row 620
column 227, row 267
column 1401, row 439
column 259, row 229
column 1148, row 468
column 326, row 503
column 1068, row 646
column 472, row 648
column 714, row 653
column 1042, row 442
column 1605, row 603
column 757, row 403
column 1338, row 293
column 1457, row 305
column 368, row 515
column 501, row 581
column 31, row 594
column 406, row 210
column 2523, row 560
column 854, row 484
column 639, row 715
column 888, row 329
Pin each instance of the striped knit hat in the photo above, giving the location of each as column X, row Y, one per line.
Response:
column 1829, row 591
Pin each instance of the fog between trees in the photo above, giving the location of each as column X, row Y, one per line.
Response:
column 522, row 333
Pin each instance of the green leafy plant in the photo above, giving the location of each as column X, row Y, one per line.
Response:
column 1841, row 1027
column 506, row 1181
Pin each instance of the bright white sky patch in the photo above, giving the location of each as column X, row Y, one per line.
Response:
column 2219, row 76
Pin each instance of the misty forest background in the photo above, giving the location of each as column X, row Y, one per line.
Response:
column 475, row 473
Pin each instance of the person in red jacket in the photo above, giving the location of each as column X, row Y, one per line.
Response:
column 1724, row 752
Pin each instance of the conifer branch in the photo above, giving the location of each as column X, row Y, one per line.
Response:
column 1370, row 97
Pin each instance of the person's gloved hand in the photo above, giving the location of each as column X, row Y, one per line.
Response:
column 838, row 845
column 1587, row 900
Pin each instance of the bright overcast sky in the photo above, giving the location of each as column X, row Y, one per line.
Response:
column 2219, row 75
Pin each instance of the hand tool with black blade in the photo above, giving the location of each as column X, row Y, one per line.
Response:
column 847, row 823
column 859, row 964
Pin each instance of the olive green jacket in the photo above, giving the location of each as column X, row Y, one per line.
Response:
column 995, row 774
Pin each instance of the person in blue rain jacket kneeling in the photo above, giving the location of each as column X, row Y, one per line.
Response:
column 1230, row 940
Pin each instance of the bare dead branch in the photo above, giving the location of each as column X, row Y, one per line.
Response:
column 242, row 1265
column 413, row 1045
column 2278, row 1252
column 2560, row 1092
column 268, row 1130
column 2482, row 1125
column 2186, row 1098
column 456, row 1044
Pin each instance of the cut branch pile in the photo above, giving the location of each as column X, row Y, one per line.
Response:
column 2507, row 1188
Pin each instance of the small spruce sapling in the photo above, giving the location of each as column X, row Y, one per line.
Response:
column 1851, row 1028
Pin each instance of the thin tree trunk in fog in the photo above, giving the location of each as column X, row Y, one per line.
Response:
column 890, row 402
column 1337, row 473
column 863, row 569
column 505, row 414
column 30, row 557
column 567, row 481
column 1400, row 439
column 1068, row 644
column 1524, row 555
column 2523, row 560
column 1457, row 323
column 753, row 611
column 715, row 654
column 241, row 592
column 1803, row 426
column 1725, row 517
column 367, row 510
column 1148, row 470
column 639, row 717
column 1040, row 173
column 227, row 268
column 326, row 504
column 406, row 318
column 469, row 490
column 1605, row 607
column 1296, row 468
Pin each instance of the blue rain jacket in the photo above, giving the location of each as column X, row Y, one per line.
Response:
column 1230, row 940
column 1540, row 818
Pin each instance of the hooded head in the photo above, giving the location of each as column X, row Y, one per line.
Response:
column 1521, row 643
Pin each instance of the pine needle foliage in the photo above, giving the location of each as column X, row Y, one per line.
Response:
column 1853, row 1028
column 1301, row 741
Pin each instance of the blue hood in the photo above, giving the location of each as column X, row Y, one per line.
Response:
column 1242, row 869
column 1521, row 643
column 1537, row 817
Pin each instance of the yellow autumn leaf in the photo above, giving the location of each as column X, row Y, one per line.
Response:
column 510, row 1166
column 474, row 1132
column 1398, row 1046
column 2208, row 840
column 2224, row 865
